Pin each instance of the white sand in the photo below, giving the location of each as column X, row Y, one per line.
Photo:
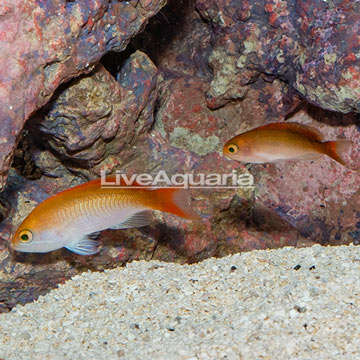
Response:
column 262, row 309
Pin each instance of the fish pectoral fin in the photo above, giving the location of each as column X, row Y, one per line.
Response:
column 86, row 245
column 139, row 219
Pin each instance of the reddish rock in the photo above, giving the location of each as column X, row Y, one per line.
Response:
column 47, row 43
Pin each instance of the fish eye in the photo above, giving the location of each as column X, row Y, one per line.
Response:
column 26, row 236
column 232, row 148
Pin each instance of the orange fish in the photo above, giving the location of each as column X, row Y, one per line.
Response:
column 74, row 217
column 283, row 141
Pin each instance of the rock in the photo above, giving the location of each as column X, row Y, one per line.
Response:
column 178, row 41
column 46, row 44
column 309, row 44
column 96, row 116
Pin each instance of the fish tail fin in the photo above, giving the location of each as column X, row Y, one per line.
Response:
column 176, row 202
column 336, row 149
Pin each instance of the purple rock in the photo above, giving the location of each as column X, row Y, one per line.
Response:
column 311, row 45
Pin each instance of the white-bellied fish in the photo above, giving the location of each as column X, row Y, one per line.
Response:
column 74, row 217
column 283, row 141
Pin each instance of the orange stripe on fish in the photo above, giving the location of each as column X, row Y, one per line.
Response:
column 283, row 141
column 74, row 217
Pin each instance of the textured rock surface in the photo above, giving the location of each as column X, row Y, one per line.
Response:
column 46, row 43
column 97, row 116
column 312, row 45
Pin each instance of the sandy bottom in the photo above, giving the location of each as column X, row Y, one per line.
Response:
column 282, row 304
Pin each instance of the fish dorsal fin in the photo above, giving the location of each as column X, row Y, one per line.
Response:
column 85, row 245
column 139, row 219
column 305, row 130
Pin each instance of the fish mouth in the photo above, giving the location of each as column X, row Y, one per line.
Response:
column 227, row 155
column 224, row 151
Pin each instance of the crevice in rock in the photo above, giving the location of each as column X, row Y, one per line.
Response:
column 23, row 161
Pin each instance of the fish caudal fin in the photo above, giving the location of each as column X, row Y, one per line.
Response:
column 336, row 149
column 176, row 202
